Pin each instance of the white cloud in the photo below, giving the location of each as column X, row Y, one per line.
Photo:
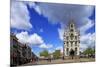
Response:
column 37, row 9
column 20, row 18
column 46, row 45
column 83, row 46
column 89, row 36
column 33, row 39
column 51, row 51
column 63, row 12
column 60, row 48
column 34, row 6
column 87, row 40
column 31, row 4
column 86, row 26
column 22, row 37
column 60, row 32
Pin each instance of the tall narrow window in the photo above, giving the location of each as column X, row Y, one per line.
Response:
column 67, row 37
column 75, row 37
column 67, row 51
column 64, row 43
column 67, row 44
column 76, row 51
column 75, row 43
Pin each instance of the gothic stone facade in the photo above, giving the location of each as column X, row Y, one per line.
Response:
column 71, row 40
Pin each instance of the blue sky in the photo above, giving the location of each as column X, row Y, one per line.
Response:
column 41, row 25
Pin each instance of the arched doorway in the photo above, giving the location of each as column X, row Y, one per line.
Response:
column 72, row 53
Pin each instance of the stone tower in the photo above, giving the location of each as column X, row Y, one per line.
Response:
column 71, row 40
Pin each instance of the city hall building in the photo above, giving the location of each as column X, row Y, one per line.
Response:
column 71, row 40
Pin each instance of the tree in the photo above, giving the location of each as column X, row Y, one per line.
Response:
column 56, row 54
column 44, row 53
column 89, row 51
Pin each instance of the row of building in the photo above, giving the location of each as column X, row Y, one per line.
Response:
column 20, row 53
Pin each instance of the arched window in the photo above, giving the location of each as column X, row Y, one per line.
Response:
column 64, row 43
column 71, row 25
column 67, row 37
column 71, row 36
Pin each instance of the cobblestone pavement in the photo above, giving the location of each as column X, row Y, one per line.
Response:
column 59, row 61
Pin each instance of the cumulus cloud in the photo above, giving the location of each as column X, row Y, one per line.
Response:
column 33, row 5
column 46, row 45
column 87, row 40
column 64, row 12
column 83, row 46
column 85, row 27
column 20, row 18
column 33, row 39
column 60, row 32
